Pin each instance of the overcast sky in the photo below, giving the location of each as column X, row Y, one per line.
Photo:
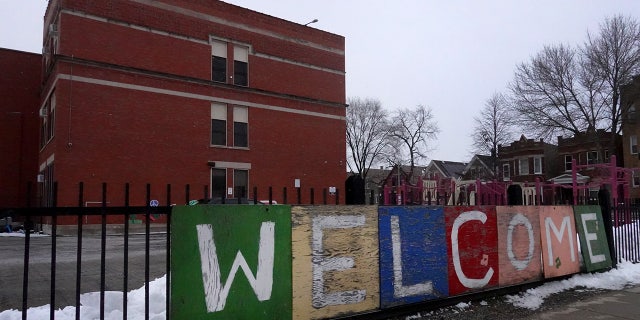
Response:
column 448, row 55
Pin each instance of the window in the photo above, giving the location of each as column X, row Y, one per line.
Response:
column 592, row 157
column 240, row 65
column 218, row 124
column 606, row 155
column 240, row 127
column 47, row 120
column 567, row 162
column 634, row 144
column 218, row 61
column 505, row 172
column 631, row 112
column 240, row 183
column 524, row 166
column 635, row 178
column 218, row 183
column 537, row 165
column 47, row 186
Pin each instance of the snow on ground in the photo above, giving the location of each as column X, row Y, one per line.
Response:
column 90, row 308
column 21, row 234
column 626, row 274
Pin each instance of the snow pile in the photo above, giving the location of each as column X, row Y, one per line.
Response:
column 90, row 305
column 626, row 274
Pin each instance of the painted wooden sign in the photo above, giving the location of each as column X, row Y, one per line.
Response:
column 231, row 262
column 559, row 241
column 335, row 260
column 593, row 239
column 413, row 255
column 518, row 245
column 472, row 243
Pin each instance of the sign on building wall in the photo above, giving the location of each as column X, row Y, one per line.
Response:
column 593, row 239
column 335, row 260
column 472, row 243
column 559, row 241
column 519, row 244
column 231, row 262
column 413, row 255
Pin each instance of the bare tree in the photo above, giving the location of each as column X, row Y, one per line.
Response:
column 367, row 128
column 411, row 130
column 493, row 126
column 554, row 94
column 613, row 55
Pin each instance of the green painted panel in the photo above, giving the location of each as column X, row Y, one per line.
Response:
column 593, row 238
column 231, row 262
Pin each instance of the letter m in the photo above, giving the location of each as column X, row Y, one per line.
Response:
column 215, row 291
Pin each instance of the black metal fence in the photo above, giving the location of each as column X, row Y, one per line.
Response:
column 624, row 223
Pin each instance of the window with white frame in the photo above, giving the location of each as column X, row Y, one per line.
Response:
column 592, row 157
column 218, row 124
column 523, row 166
column 633, row 143
column 506, row 173
column 240, row 65
column 218, row 61
column 568, row 162
column 241, row 127
column 537, row 165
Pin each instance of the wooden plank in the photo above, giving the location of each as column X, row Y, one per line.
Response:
column 472, row 240
column 518, row 245
column 593, row 239
column 413, row 255
column 231, row 262
column 335, row 260
column 559, row 244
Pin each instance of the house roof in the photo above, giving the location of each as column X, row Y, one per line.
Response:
column 488, row 162
column 567, row 179
column 451, row 169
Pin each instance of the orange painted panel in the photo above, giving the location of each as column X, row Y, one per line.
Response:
column 518, row 245
column 559, row 241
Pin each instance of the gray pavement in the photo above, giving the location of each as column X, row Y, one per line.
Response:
column 621, row 304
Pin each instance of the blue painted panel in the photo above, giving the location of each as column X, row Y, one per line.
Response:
column 416, row 237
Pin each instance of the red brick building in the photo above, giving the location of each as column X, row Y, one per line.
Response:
column 187, row 92
column 19, row 96
column 630, row 103
column 524, row 160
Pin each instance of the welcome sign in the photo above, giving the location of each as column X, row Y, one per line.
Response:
column 318, row 262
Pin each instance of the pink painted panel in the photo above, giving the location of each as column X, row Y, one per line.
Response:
column 518, row 244
column 559, row 241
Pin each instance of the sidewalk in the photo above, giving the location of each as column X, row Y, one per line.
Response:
column 621, row 304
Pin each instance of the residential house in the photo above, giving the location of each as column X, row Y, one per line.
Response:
column 522, row 163
column 185, row 92
column 630, row 103
column 481, row 167
column 441, row 179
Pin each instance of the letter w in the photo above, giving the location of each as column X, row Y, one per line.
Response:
column 215, row 291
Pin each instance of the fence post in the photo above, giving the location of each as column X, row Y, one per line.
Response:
column 54, row 226
column 371, row 199
column 324, row 196
column 312, row 195
column 337, row 196
column 270, row 195
column 255, row 195
column 284, row 195
column 299, row 195
column 79, row 248
column 125, row 282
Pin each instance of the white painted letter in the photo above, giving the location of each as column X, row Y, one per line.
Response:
column 460, row 220
column 214, row 290
column 322, row 264
column 519, row 219
column 566, row 223
column 591, row 236
column 399, row 290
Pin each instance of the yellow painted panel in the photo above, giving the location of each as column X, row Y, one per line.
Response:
column 335, row 260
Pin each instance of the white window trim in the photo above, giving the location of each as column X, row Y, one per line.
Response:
column 520, row 171
column 539, row 160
